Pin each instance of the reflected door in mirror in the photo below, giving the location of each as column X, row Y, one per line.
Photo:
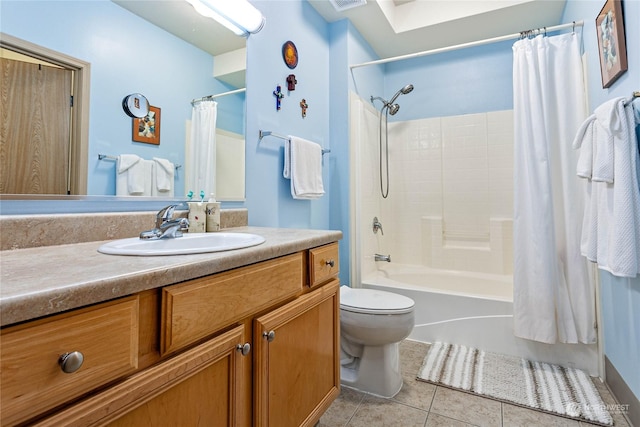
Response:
column 34, row 143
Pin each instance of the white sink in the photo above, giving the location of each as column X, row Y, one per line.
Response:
column 187, row 244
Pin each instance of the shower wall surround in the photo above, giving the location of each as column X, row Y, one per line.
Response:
column 450, row 202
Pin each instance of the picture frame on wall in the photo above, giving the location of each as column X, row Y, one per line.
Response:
column 147, row 128
column 611, row 42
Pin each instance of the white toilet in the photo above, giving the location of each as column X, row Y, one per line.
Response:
column 372, row 324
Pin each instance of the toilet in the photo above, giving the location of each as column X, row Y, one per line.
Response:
column 372, row 324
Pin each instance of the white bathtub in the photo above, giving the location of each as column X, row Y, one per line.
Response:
column 472, row 309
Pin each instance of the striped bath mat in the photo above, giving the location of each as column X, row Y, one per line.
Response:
column 551, row 388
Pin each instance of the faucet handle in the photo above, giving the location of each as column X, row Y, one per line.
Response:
column 165, row 214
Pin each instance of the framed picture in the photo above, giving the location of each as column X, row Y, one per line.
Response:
column 611, row 42
column 147, row 129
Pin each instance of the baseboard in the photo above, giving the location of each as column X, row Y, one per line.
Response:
column 622, row 393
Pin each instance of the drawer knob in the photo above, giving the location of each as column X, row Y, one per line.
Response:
column 244, row 349
column 330, row 263
column 71, row 362
column 270, row 336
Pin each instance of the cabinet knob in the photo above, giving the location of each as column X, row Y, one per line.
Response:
column 270, row 336
column 244, row 349
column 330, row 263
column 71, row 362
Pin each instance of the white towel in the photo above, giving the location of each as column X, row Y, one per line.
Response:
column 129, row 175
column 163, row 181
column 305, row 168
column 611, row 223
column 584, row 142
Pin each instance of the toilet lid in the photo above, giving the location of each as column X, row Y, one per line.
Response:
column 372, row 301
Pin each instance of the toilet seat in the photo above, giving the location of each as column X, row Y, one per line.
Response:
column 372, row 301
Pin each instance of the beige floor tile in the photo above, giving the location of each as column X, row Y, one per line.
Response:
column 466, row 407
column 435, row 420
column 379, row 412
column 618, row 418
column 418, row 394
column 517, row 416
column 342, row 409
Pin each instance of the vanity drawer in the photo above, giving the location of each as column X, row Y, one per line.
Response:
column 32, row 378
column 324, row 263
column 198, row 308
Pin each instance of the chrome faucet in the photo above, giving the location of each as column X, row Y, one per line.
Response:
column 166, row 227
column 379, row 257
column 377, row 225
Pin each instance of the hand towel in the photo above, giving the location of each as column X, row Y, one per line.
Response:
column 608, row 125
column 584, row 142
column 163, row 182
column 286, row 172
column 129, row 175
column 305, row 169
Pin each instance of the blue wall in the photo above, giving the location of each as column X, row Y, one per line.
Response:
column 620, row 298
column 269, row 197
column 127, row 54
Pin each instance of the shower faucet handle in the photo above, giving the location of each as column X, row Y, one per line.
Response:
column 377, row 226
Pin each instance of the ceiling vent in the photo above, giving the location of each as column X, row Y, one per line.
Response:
column 342, row 5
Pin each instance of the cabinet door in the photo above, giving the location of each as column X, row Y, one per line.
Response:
column 200, row 387
column 296, row 350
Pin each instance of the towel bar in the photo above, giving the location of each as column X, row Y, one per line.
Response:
column 263, row 133
column 114, row 158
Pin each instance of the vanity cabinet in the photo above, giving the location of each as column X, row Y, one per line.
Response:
column 256, row 345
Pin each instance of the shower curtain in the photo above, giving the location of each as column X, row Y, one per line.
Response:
column 200, row 173
column 553, row 293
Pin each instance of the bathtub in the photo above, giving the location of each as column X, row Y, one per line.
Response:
column 472, row 309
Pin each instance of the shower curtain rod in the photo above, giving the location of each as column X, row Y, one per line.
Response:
column 470, row 44
column 218, row 95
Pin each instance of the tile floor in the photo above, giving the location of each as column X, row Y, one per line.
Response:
column 421, row 404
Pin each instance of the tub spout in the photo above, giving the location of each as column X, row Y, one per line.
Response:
column 386, row 258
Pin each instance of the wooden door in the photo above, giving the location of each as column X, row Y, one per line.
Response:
column 35, row 128
column 297, row 371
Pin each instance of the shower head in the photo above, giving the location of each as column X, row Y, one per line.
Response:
column 393, row 108
column 405, row 90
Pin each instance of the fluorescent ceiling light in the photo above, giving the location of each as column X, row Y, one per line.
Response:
column 239, row 16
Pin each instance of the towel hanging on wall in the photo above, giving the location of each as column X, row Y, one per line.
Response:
column 303, row 166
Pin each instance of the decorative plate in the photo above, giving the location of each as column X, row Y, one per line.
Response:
column 290, row 54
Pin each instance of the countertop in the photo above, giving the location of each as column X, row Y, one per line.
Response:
column 46, row 280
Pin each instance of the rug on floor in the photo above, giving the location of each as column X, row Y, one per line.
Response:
column 567, row 392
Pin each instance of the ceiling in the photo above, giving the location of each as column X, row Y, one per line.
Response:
column 399, row 27
column 180, row 19
column 391, row 27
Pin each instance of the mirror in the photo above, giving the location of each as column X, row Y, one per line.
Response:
column 162, row 49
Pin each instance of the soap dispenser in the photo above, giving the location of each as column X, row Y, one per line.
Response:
column 213, row 214
column 197, row 215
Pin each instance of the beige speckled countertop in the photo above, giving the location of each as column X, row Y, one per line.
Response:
column 45, row 280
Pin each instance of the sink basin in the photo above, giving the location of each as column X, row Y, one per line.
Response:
column 187, row 244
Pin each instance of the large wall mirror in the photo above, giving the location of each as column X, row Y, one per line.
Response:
column 101, row 52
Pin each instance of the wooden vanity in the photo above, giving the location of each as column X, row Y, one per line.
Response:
column 255, row 345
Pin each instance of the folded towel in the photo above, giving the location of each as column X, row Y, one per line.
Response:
column 287, row 159
column 609, row 124
column 584, row 142
column 130, row 177
column 163, row 177
column 305, row 168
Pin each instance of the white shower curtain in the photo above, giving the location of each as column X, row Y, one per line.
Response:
column 553, row 294
column 201, row 153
